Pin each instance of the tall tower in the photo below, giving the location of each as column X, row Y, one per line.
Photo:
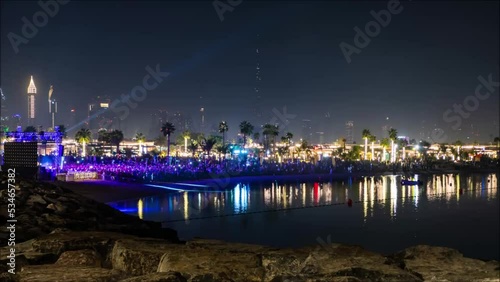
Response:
column 31, row 102
column 349, row 126
column 202, row 116
column 258, row 78
column 52, row 106
column 4, row 116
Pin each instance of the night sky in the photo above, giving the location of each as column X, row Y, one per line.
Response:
column 428, row 58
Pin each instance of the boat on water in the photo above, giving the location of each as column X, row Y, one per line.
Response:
column 411, row 182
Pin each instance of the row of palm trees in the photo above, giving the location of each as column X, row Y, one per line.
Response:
column 246, row 129
column 393, row 137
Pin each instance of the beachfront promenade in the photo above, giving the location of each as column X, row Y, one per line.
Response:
column 144, row 170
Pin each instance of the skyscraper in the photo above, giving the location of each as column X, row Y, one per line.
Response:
column 306, row 130
column 99, row 116
column 31, row 102
column 52, row 106
column 4, row 115
column 257, row 102
column 349, row 127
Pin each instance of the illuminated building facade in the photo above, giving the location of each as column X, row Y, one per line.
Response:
column 31, row 102
column 349, row 126
column 98, row 114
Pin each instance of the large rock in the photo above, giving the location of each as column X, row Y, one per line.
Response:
column 209, row 260
column 140, row 256
column 86, row 257
column 445, row 264
column 56, row 273
column 217, row 264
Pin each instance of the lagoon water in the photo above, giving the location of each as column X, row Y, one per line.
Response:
column 452, row 210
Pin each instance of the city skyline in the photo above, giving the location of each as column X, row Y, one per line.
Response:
column 296, row 64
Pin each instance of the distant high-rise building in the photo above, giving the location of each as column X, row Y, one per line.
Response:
column 257, row 98
column 72, row 118
column 158, row 118
column 99, row 116
column 202, row 117
column 4, row 114
column 31, row 102
column 349, row 127
column 306, row 130
column 52, row 107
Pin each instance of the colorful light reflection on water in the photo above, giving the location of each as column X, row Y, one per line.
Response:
column 384, row 215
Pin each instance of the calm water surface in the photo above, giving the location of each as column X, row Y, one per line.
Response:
column 456, row 211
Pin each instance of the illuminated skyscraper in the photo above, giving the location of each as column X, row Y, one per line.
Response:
column 4, row 115
column 257, row 103
column 31, row 102
column 52, row 106
column 349, row 126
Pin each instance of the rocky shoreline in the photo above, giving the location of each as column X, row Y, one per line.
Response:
column 63, row 236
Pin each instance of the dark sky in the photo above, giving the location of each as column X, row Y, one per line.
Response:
column 427, row 59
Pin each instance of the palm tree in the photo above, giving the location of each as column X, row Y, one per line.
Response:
column 223, row 128
column 373, row 138
column 223, row 149
column 393, row 135
column 193, row 147
column 246, row 129
column 344, row 141
column 167, row 129
column 366, row 134
column 442, row 149
column 83, row 137
column 208, row 144
column 256, row 137
column 186, row 135
column 102, row 135
column 115, row 138
column 62, row 130
column 384, row 143
column 289, row 137
column 141, row 138
column 272, row 131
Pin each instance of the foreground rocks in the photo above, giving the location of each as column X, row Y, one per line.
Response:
column 107, row 256
column 106, row 245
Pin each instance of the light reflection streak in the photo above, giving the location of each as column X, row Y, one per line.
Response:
column 394, row 196
column 186, row 206
column 382, row 191
column 140, row 207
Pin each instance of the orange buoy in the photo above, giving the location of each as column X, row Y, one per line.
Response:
column 349, row 203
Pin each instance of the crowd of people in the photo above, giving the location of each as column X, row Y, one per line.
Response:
column 158, row 169
column 180, row 169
